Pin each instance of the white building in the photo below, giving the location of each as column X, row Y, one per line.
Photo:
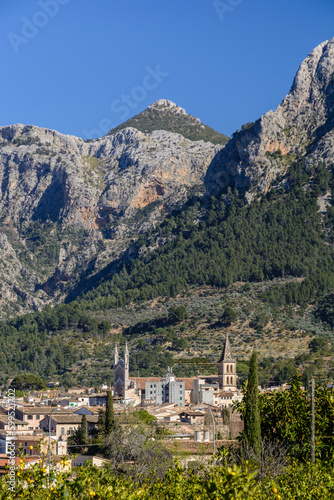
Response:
column 167, row 390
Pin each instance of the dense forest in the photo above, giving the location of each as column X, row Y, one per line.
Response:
column 224, row 241
column 212, row 242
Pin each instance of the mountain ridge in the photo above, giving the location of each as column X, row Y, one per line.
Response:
column 98, row 197
column 128, row 212
column 69, row 208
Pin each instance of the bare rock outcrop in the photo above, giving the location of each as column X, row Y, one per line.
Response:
column 300, row 127
column 69, row 207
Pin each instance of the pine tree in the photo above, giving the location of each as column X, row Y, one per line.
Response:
column 252, row 430
column 110, row 418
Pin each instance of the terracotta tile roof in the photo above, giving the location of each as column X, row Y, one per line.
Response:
column 200, row 447
column 193, row 413
column 42, row 410
column 93, row 409
column 29, row 438
column 4, row 420
column 4, row 460
column 74, row 419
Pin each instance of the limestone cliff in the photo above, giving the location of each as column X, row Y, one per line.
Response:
column 69, row 208
column 300, row 127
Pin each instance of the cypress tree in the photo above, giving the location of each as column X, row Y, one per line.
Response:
column 110, row 418
column 101, row 423
column 252, row 429
column 84, row 430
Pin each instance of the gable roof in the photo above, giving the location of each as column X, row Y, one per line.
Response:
column 74, row 419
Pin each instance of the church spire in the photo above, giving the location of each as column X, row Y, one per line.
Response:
column 116, row 357
column 126, row 366
column 227, row 353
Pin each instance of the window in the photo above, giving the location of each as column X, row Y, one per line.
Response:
column 62, row 431
column 180, row 392
column 26, row 444
column 38, row 417
column 30, row 417
column 181, row 399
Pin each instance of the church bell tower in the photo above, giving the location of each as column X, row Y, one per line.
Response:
column 227, row 369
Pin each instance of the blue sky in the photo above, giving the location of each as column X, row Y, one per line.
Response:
column 82, row 67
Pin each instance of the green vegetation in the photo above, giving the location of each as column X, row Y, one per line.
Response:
column 325, row 310
column 298, row 480
column 109, row 418
column 209, row 245
column 42, row 242
column 141, row 466
column 27, row 381
column 229, row 316
column 252, row 433
column 160, row 118
column 285, row 419
column 277, row 236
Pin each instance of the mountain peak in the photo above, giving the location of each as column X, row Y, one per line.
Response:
column 168, row 116
column 170, row 105
column 315, row 74
column 302, row 126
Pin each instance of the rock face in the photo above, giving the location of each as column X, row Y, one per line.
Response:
column 300, row 127
column 69, row 208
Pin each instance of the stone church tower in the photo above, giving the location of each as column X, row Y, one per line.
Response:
column 121, row 372
column 227, row 369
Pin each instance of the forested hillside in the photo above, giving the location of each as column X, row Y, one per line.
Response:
column 152, row 218
column 211, row 243
column 280, row 234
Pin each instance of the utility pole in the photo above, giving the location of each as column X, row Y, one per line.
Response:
column 312, row 423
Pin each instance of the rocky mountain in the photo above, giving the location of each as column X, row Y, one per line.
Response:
column 68, row 207
column 71, row 210
column 165, row 115
column 300, row 127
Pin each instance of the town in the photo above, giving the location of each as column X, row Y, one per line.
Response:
column 192, row 411
column 188, row 407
